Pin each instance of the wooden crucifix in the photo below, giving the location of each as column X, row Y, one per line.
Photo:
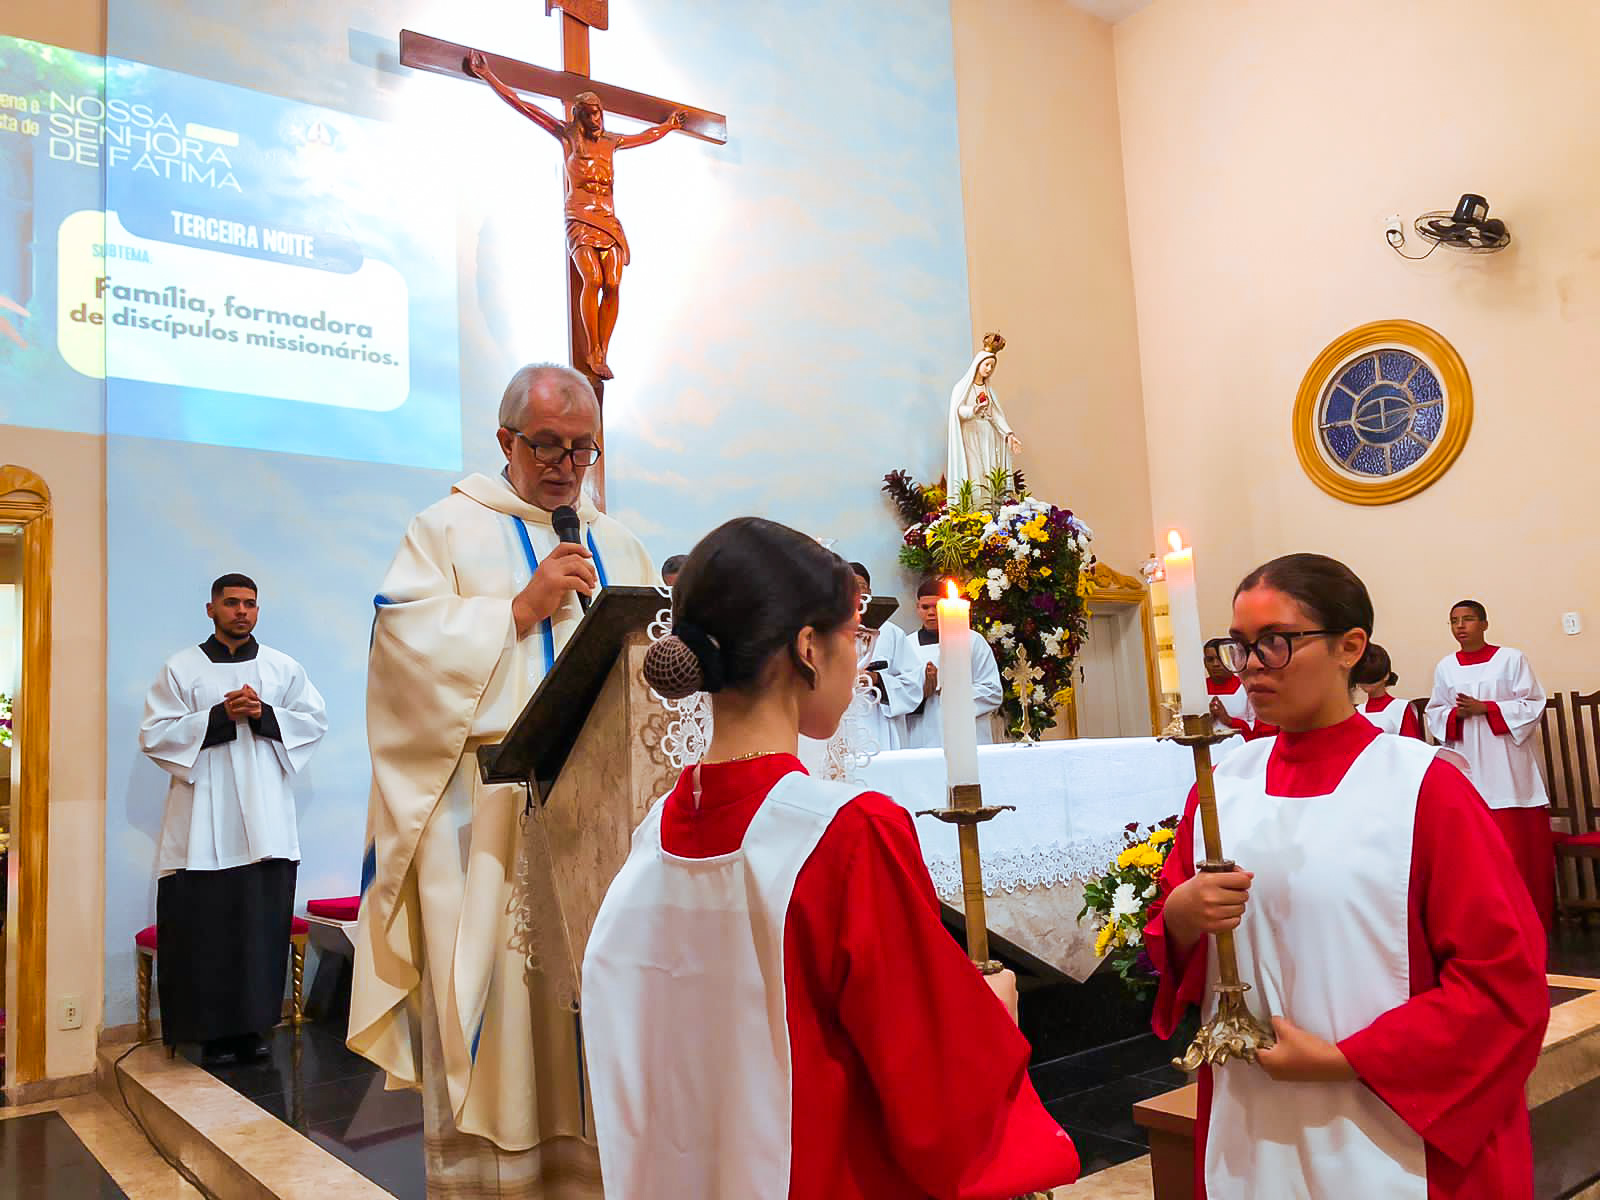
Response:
column 596, row 245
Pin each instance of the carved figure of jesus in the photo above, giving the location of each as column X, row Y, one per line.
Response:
column 595, row 239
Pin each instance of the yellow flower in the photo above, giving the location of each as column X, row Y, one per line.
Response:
column 1143, row 856
column 974, row 588
column 1062, row 697
column 1161, row 837
column 1045, row 571
column 1102, row 941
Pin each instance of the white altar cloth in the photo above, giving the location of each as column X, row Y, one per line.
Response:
column 1074, row 799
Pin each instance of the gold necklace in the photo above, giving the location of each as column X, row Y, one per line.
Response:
column 722, row 762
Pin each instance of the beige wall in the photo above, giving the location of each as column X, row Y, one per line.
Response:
column 1047, row 256
column 1264, row 143
column 73, row 466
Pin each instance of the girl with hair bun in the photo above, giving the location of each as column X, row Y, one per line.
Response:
column 1380, row 924
column 769, row 994
column 1389, row 713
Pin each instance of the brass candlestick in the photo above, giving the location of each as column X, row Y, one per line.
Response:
column 966, row 812
column 1233, row 1032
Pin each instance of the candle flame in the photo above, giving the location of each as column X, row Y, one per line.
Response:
column 951, row 592
column 1175, row 540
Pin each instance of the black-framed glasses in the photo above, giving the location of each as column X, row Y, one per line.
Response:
column 1272, row 650
column 550, row 454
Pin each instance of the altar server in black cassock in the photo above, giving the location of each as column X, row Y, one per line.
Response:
column 233, row 722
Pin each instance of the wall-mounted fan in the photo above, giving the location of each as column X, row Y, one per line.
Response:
column 1469, row 228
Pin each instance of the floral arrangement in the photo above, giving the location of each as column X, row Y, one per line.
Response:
column 5, row 719
column 1120, row 900
column 1023, row 564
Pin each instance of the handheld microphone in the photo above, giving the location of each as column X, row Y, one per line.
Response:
column 565, row 522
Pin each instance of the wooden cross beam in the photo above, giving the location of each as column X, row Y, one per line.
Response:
column 577, row 18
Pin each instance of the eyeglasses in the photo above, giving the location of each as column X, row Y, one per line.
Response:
column 549, row 454
column 1272, row 650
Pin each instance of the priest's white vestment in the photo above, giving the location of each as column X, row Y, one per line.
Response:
column 442, row 927
column 924, row 728
column 901, row 678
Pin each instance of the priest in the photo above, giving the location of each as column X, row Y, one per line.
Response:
column 463, row 986
column 1486, row 704
column 922, row 725
column 895, row 669
column 233, row 722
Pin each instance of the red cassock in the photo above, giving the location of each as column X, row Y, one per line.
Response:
column 1452, row 1062
column 909, row 1079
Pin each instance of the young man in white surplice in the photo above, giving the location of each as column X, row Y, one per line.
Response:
column 896, row 671
column 1486, row 703
column 922, row 726
column 233, row 722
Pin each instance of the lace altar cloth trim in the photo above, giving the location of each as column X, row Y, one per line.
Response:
column 1073, row 800
column 1024, row 870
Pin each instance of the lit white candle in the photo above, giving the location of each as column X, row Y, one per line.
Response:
column 957, row 707
column 1183, row 608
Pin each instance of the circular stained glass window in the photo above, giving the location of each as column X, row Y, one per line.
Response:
column 1382, row 412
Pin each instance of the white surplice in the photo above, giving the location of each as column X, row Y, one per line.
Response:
column 923, row 730
column 1504, row 766
column 232, row 803
column 902, row 684
column 714, row 929
column 1325, row 865
column 447, row 673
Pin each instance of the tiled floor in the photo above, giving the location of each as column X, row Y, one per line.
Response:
column 40, row 1156
column 337, row 1099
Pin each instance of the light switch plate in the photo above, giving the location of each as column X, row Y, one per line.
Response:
column 1571, row 623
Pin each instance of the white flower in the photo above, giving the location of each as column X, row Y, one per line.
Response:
column 1149, row 893
column 1010, row 643
column 1124, row 901
column 996, row 586
column 1135, row 936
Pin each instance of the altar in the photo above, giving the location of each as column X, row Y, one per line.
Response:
column 1073, row 801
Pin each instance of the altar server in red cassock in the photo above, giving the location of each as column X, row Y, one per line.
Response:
column 1486, row 704
column 771, row 1006
column 1230, row 706
column 1375, row 676
column 1379, row 922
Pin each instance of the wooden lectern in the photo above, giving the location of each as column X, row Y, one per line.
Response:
column 589, row 748
column 581, row 749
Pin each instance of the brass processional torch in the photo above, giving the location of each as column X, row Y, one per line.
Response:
column 1233, row 1031
column 965, row 809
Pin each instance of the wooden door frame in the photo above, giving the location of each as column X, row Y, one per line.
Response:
column 25, row 501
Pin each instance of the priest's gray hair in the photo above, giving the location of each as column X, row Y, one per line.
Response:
column 567, row 382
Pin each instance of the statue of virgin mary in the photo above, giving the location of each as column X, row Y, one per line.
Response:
column 980, row 438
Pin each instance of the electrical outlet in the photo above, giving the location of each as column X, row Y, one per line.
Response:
column 1571, row 623
column 1394, row 229
column 71, row 1013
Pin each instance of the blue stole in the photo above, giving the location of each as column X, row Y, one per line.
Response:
column 546, row 628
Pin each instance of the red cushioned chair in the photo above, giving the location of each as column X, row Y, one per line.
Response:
column 144, row 945
column 1576, row 797
column 345, row 908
